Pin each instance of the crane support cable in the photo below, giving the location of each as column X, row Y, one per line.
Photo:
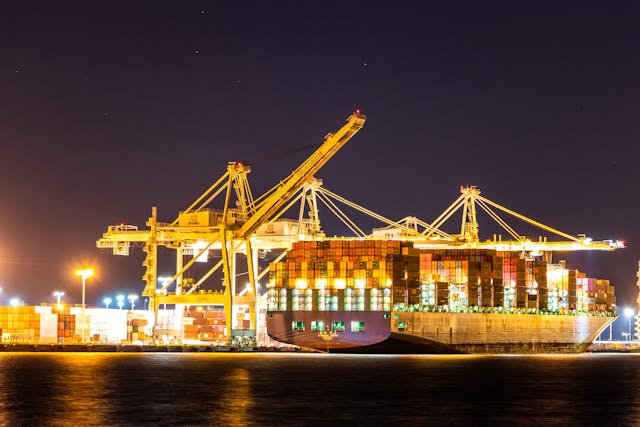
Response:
column 210, row 199
column 203, row 195
column 437, row 231
column 278, row 214
column 340, row 215
column 251, row 203
column 189, row 264
column 243, row 194
column 212, row 270
column 302, row 196
column 366, row 211
column 276, row 259
column 530, row 221
column 260, row 200
column 499, row 220
column 284, row 153
column 423, row 224
column 205, row 277
column 444, row 216
column 325, row 192
column 184, row 269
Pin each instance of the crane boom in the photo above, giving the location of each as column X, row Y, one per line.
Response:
column 289, row 186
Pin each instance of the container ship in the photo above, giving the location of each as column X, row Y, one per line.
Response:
column 341, row 294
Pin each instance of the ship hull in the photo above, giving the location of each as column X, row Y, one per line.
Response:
column 500, row 332
column 442, row 332
column 295, row 328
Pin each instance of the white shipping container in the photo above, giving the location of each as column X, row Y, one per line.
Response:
column 48, row 327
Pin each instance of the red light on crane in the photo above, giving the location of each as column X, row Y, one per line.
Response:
column 357, row 111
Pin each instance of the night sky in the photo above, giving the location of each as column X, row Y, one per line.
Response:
column 110, row 108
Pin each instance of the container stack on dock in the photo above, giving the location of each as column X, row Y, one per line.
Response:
column 136, row 329
column 66, row 323
column 20, row 323
column 204, row 325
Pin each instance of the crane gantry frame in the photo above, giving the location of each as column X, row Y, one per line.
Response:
column 230, row 230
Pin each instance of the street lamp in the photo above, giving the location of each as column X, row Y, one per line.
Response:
column 14, row 301
column 628, row 312
column 107, row 301
column 132, row 299
column 164, row 280
column 58, row 295
column 120, row 299
column 84, row 274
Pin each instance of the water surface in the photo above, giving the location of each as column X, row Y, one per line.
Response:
column 120, row 389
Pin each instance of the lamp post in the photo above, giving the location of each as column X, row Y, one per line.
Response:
column 132, row 299
column 120, row 299
column 628, row 312
column 58, row 295
column 84, row 274
column 106, row 302
column 164, row 280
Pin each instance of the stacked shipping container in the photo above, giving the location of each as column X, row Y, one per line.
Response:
column 204, row 325
column 66, row 323
column 353, row 275
column 20, row 323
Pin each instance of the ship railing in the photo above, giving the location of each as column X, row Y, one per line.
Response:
column 499, row 310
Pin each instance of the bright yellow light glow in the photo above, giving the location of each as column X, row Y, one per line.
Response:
column 84, row 273
column 301, row 284
column 388, row 283
column 340, row 284
column 360, row 283
column 321, row 283
column 60, row 306
column 554, row 275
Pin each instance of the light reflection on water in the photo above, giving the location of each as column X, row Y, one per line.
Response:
column 87, row 389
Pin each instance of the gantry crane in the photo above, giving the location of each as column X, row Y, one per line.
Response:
column 199, row 229
column 431, row 236
column 470, row 199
